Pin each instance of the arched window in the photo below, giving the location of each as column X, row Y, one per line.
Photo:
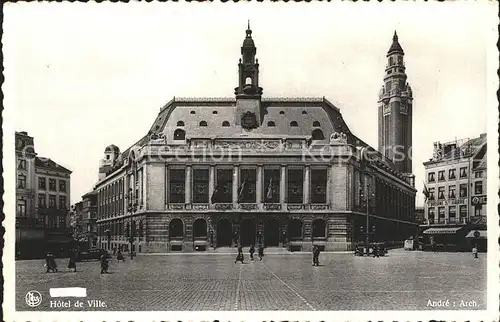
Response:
column 203, row 123
column 176, row 228
column 282, row 112
column 214, row 112
column 199, row 228
column 316, row 124
column 304, row 112
column 293, row 123
column 179, row 134
column 317, row 135
column 193, row 112
column 180, row 123
column 271, row 123
column 225, row 123
column 391, row 61
column 248, row 81
column 319, row 228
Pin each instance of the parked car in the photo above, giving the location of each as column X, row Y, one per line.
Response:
column 360, row 249
column 92, row 254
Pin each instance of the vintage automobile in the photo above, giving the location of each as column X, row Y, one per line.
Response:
column 92, row 254
column 362, row 250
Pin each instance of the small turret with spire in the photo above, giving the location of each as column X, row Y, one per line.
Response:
column 248, row 67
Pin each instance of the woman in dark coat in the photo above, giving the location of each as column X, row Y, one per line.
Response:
column 252, row 250
column 261, row 251
column 119, row 256
column 50, row 262
column 104, row 264
column 72, row 260
column 239, row 257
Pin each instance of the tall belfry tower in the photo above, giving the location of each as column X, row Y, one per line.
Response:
column 395, row 111
column 248, row 93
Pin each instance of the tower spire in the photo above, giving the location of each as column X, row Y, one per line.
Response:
column 395, row 47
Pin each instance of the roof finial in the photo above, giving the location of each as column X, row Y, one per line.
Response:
column 248, row 24
column 395, row 37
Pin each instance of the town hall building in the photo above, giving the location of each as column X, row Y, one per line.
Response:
column 249, row 169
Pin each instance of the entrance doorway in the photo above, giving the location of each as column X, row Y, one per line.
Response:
column 247, row 232
column 224, row 232
column 271, row 233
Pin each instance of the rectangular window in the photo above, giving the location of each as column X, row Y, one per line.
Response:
column 21, row 208
column 200, row 185
column 52, row 201
column 62, row 202
column 463, row 172
column 431, row 193
column 451, row 174
column 271, row 186
column 177, row 185
column 452, row 211
column 441, row 214
column 41, row 200
column 223, row 192
column 463, row 190
column 21, row 181
column 52, row 184
column 21, row 164
column 246, row 190
column 41, row 183
column 431, row 215
column 463, row 211
column 451, row 192
column 441, row 175
column 478, row 174
column 295, row 185
column 50, row 221
column 62, row 222
column 318, row 185
column 477, row 210
column 440, row 192
column 62, row 185
column 478, row 188
column 430, row 177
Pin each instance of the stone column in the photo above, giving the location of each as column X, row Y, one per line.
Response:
column 211, row 182
column 328, row 185
column 236, row 174
column 258, row 186
column 307, row 184
column 283, row 185
column 167, row 180
column 188, row 185
column 144, row 186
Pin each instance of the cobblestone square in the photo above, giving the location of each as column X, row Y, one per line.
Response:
column 402, row 280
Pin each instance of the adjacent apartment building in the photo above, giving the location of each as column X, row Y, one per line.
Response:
column 455, row 189
column 42, row 201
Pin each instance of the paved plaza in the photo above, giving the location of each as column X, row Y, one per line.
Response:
column 401, row 280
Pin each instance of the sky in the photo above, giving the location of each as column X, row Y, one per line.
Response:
column 81, row 76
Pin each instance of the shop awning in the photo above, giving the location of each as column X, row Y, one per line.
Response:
column 442, row 231
column 482, row 234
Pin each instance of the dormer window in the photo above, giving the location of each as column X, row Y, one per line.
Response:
column 317, row 135
column 282, row 112
column 203, row 123
column 316, row 124
column 180, row 123
column 271, row 124
column 214, row 112
column 192, row 112
column 293, row 123
column 304, row 112
column 179, row 134
column 225, row 123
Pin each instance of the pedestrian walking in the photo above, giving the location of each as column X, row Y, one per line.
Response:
column 72, row 260
column 261, row 252
column 119, row 256
column 252, row 250
column 104, row 264
column 376, row 252
column 316, row 255
column 50, row 262
column 474, row 252
column 114, row 251
column 239, row 257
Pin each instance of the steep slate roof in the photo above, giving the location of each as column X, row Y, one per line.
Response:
column 49, row 164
